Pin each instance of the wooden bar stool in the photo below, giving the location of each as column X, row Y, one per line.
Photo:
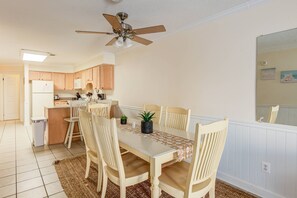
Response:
column 75, row 105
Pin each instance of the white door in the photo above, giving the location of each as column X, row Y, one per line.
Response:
column 11, row 96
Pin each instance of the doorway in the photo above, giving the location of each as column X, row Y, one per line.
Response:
column 10, row 96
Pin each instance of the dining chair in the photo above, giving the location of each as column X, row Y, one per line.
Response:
column 122, row 170
column 197, row 178
column 158, row 110
column 177, row 118
column 92, row 155
column 75, row 105
column 273, row 114
column 100, row 109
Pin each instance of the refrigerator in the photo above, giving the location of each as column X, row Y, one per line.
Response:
column 42, row 96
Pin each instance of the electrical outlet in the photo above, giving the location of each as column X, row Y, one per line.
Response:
column 266, row 167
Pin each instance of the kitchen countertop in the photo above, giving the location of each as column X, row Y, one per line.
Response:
column 113, row 102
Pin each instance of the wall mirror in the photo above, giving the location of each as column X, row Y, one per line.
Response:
column 276, row 77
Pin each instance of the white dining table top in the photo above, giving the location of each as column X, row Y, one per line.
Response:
column 148, row 146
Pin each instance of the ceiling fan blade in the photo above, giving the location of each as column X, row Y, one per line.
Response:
column 113, row 20
column 141, row 40
column 92, row 32
column 152, row 29
column 111, row 42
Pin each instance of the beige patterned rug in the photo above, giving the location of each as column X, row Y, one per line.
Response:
column 72, row 171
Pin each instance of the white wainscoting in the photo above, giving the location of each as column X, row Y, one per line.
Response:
column 248, row 144
column 286, row 114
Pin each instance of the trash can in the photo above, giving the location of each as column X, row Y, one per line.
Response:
column 38, row 129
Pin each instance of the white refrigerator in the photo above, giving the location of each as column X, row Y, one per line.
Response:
column 42, row 96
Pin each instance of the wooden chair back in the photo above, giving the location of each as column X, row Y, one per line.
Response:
column 158, row 110
column 208, row 148
column 85, row 120
column 273, row 114
column 106, row 136
column 178, row 118
column 75, row 105
column 100, row 109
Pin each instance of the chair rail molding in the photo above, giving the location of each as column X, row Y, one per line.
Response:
column 248, row 145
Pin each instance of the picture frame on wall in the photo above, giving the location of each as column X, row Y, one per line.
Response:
column 267, row 74
column 288, row 76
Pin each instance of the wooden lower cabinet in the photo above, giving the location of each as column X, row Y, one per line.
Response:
column 56, row 125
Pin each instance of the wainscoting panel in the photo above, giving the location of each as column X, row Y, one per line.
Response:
column 247, row 146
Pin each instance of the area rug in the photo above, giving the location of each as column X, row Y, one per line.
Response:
column 71, row 173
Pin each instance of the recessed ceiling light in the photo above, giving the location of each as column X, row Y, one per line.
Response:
column 35, row 56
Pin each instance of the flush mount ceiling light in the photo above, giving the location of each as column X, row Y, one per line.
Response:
column 35, row 56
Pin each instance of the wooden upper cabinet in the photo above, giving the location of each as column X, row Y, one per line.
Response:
column 78, row 75
column 69, row 80
column 106, row 77
column 45, row 75
column 87, row 76
column 33, row 75
column 96, row 82
column 59, row 81
column 37, row 75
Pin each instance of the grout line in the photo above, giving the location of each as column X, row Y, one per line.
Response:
column 37, row 163
column 15, row 154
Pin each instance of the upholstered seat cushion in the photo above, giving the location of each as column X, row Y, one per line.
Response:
column 175, row 176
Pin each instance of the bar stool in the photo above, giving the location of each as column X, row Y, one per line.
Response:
column 75, row 105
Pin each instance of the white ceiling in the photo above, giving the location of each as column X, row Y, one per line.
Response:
column 49, row 25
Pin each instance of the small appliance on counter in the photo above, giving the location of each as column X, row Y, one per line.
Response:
column 101, row 96
column 57, row 97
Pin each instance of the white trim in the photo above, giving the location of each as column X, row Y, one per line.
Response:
column 247, row 186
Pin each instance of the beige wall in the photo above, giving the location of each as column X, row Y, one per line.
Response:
column 209, row 68
column 273, row 91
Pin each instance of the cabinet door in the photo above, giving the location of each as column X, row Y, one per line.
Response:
column 33, row 75
column 87, row 76
column 78, row 75
column 96, row 83
column 59, row 81
column 45, row 75
column 107, row 77
column 69, row 78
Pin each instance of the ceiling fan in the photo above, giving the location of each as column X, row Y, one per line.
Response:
column 123, row 31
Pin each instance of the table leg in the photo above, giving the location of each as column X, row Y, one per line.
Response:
column 155, row 171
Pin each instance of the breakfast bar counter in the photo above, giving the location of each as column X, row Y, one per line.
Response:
column 56, row 126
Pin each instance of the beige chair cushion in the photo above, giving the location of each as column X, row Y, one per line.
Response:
column 133, row 166
column 176, row 175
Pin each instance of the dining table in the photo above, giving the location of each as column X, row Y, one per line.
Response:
column 163, row 146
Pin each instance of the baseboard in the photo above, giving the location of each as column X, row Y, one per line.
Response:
column 261, row 192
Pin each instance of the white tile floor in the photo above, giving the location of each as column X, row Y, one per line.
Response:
column 26, row 171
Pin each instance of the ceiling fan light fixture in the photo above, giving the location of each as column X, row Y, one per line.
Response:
column 127, row 43
column 119, row 42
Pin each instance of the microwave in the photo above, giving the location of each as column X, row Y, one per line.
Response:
column 77, row 84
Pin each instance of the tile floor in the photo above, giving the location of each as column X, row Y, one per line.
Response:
column 26, row 171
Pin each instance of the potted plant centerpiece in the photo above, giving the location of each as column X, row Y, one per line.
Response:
column 124, row 119
column 147, row 123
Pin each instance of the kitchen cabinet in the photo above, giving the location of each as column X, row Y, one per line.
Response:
column 59, row 81
column 69, row 80
column 78, row 75
column 106, row 77
column 87, row 76
column 96, row 82
column 36, row 75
